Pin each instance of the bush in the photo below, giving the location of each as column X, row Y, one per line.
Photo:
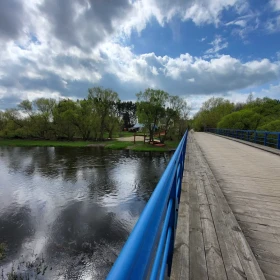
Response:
column 244, row 119
column 272, row 126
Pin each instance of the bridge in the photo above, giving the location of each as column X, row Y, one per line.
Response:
column 226, row 196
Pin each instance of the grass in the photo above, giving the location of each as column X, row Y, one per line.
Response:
column 141, row 147
column 125, row 134
column 172, row 144
column 44, row 143
column 118, row 145
column 113, row 144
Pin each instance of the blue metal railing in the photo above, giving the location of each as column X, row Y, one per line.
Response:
column 266, row 138
column 149, row 249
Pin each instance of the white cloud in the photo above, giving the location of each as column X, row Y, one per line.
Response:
column 183, row 75
column 199, row 11
column 239, row 22
column 218, row 44
column 272, row 91
column 40, row 60
column 273, row 24
column 275, row 5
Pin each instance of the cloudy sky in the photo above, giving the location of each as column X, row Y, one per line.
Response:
column 192, row 48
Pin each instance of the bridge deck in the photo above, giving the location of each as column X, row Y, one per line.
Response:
column 250, row 181
column 209, row 242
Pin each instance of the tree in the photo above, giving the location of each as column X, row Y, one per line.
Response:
column 63, row 119
column 151, row 108
column 103, row 101
column 245, row 119
column 250, row 98
column 43, row 116
column 211, row 112
column 84, row 118
column 128, row 111
column 177, row 110
column 271, row 126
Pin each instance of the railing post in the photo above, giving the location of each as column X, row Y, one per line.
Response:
column 278, row 142
column 265, row 139
column 255, row 137
column 247, row 135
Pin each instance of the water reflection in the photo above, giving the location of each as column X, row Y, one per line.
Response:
column 66, row 212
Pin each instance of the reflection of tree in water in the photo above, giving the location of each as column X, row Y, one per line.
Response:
column 150, row 167
column 85, row 238
column 15, row 226
column 53, row 162
column 83, row 234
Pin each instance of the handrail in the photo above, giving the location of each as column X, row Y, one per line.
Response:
column 149, row 247
column 266, row 138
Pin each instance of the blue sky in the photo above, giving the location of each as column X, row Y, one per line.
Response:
column 193, row 48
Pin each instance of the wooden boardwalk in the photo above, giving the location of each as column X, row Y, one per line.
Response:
column 250, row 181
column 209, row 241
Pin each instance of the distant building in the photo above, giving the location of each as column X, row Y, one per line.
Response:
column 137, row 127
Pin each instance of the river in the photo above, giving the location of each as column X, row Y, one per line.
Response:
column 65, row 213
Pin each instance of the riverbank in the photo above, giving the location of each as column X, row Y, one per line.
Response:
column 110, row 144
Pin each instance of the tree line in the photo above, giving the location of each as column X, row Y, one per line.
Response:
column 98, row 117
column 254, row 114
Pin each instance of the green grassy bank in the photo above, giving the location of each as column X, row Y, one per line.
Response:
column 113, row 145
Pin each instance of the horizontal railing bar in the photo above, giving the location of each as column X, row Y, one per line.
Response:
column 137, row 255
column 162, row 271
column 266, row 138
column 162, row 241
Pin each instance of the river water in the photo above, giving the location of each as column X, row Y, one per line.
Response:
column 65, row 213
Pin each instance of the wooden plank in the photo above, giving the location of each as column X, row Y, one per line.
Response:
column 271, row 247
column 263, row 208
column 180, row 263
column 249, row 263
column 258, row 191
column 260, row 227
column 255, row 211
column 251, row 196
column 231, row 259
column 270, row 277
column 198, row 269
column 266, row 236
column 257, row 220
column 266, row 256
column 255, row 192
column 270, row 268
column 261, row 213
column 257, row 205
column 214, row 260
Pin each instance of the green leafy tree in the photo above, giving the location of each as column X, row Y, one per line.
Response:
column 176, row 112
column 151, row 108
column 211, row 112
column 84, row 118
column 63, row 119
column 103, row 101
column 271, row 126
column 127, row 109
column 42, row 119
column 244, row 119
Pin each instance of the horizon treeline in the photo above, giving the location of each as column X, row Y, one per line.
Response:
column 254, row 114
column 100, row 116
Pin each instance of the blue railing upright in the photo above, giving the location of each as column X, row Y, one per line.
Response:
column 266, row 138
column 149, row 249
